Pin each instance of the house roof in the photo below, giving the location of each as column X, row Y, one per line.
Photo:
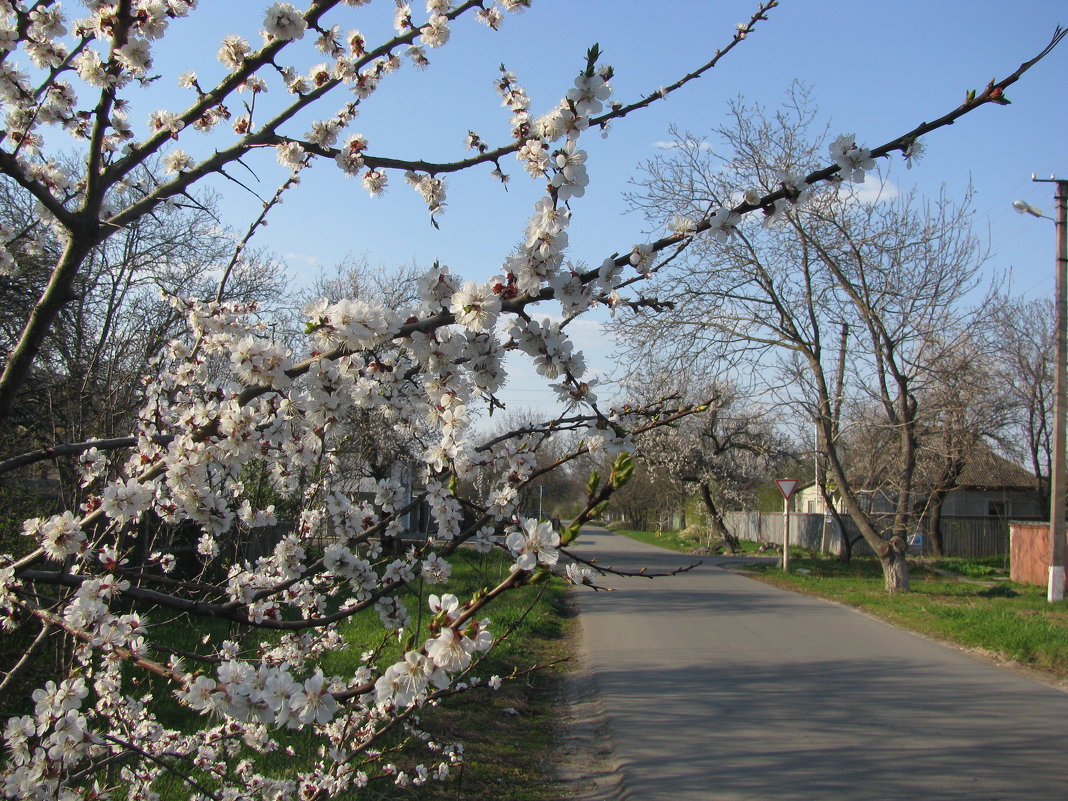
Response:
column 983, row 470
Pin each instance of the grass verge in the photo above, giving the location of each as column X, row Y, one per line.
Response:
column 508, row 734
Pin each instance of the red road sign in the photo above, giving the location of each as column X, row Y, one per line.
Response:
column 787, row 486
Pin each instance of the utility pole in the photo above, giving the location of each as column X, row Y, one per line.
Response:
column 1057, row 486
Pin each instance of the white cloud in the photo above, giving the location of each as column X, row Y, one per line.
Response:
column 873, row 190
column 306, row 258
column 700, row 144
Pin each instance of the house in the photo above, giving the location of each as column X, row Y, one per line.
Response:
column 988, row 486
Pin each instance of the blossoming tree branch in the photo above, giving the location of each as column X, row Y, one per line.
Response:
column 228, row 397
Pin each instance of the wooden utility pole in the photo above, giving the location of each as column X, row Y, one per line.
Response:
column 1057, row 486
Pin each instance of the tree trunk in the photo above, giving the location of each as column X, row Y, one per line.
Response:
column 904, row 510
column 934, row 522
column 890, row 550
column 715, row 520
column 895, row 567
column 846, row 552
column 57, row 294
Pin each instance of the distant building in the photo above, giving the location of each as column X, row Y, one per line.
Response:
column 988, row 485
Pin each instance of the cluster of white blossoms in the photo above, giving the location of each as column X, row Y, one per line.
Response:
column 60, row 535
column 853, row 161
column 553, row 353
column 408, row 682
column 431, row 189
column 236, row 425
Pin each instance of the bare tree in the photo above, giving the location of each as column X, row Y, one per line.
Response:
column 964, row 410
column 835, row 296
column 1023, row 335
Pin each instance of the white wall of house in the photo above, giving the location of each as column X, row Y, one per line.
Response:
column 965, row 502
column 809, row 500
column 1004, row 503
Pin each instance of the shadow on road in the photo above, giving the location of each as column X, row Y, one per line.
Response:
column 717, row 687
column 839, row 730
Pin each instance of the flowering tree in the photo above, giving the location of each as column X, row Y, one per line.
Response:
column 720, row 455
column 724, row 451
column 86, row 378
column 228, row 396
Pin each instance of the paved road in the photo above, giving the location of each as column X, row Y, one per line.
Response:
column 720, row 688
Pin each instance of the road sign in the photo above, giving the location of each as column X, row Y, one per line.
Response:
column 787, row 486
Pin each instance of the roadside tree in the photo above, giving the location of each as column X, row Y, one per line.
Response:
column 1022, row 332
column 835, row 296
column 964, row 410
column 724, row 452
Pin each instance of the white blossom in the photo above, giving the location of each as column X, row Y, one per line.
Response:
column 233, row 52
column 290, row 155
column 283, row 21
column 852, row 160
column 534, row 543
column 722, row 224
column 177, row 161
column 475, row 306
column 374, row 181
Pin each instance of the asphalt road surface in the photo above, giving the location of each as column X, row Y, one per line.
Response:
column 717, row 687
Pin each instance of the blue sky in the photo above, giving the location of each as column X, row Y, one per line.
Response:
column 876, row 68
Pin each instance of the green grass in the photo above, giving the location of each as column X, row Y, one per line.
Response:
column 985, row 567
column 1006, row 620
column 505, row 754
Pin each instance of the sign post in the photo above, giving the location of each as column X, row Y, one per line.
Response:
column 786, row 487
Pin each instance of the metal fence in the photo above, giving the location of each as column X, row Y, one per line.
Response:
column 961, row 536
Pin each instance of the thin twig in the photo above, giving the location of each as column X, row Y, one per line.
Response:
column 26, row 659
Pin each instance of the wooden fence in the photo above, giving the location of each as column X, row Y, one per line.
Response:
column 961, row 536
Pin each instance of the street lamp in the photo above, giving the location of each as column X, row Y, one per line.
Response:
column 1055, row 585
column 1023, row 207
